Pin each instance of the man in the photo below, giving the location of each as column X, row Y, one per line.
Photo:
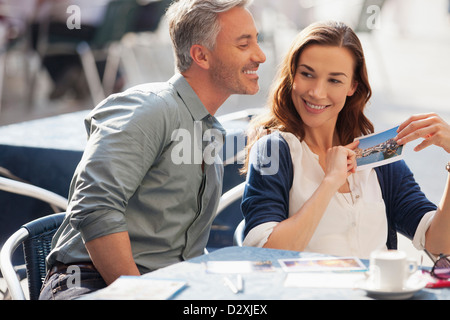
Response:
column 133, row 208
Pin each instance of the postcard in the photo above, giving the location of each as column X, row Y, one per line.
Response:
column 238, row 266
column 324, row 280
column 378, row 149
column 322, row 264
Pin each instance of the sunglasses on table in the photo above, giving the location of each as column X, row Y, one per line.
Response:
column 441, row 268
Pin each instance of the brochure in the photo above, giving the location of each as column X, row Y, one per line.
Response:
column 140, row 288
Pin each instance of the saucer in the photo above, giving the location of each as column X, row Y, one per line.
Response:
column 413, row 285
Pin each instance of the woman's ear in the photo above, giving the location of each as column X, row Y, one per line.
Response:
column 352, row 89
column 200, row 56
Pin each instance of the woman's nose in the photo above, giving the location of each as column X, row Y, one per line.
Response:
column 318, row 90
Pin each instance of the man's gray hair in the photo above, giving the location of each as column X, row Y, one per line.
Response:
column 196, row 22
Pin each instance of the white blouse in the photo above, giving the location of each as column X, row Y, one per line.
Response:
column 354, row 224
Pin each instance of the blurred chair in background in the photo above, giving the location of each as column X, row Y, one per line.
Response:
column 86, row 60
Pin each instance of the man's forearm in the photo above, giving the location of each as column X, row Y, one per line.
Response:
column 112, row 256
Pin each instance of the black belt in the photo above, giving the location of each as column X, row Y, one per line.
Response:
column 59, row 267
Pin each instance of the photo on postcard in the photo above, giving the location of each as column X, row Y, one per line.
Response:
column 378, row 149
column 322, row 264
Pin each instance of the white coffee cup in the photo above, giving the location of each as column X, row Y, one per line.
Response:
column 390, row 269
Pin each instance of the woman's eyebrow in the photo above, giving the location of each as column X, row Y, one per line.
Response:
column 307, row 67
column 334, row 74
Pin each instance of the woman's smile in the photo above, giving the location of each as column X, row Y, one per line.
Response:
column 314, row 108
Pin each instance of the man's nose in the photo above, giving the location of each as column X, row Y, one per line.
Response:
column 258, row 55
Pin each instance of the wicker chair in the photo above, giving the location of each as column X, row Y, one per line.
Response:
column 36, row 237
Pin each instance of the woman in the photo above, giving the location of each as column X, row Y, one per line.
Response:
column 303, row 191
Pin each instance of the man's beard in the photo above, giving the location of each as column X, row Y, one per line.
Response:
column 228, row 79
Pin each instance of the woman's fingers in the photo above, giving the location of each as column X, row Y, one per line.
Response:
column 353, row 145
column 430, row 127
column 415, row 118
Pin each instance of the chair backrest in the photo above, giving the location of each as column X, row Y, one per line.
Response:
column 36, row 238
column 36, row 248
column 120, row 18
column 230, row 196
column 227, row 201
column 238, row 237
column 29, row 190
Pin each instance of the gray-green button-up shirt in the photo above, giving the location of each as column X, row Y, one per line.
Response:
column 144, row 171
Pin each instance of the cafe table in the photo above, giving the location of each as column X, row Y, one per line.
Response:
column 201, row 284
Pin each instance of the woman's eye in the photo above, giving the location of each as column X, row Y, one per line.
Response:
column 335, row 81
column 306, row 74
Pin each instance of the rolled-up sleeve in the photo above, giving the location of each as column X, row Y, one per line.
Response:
column 269, row 179
column 123, row 142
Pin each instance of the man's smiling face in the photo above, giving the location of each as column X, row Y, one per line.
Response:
column 237, row 55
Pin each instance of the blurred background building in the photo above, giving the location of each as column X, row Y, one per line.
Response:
column 406, row 44
column 59, row 56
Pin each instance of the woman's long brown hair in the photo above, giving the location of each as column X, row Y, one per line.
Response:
column 282, row 115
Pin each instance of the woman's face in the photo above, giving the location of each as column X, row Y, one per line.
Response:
column 323, row 80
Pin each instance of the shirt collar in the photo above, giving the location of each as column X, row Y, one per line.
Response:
column 189, row 97
column 193, row 102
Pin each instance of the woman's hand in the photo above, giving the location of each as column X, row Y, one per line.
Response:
column 430, row 127
column 296, row 232
column 341, row 162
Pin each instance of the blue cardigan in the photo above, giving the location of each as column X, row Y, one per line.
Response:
column 266, row 196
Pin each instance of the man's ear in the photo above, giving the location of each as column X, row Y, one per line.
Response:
column 200, row 56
